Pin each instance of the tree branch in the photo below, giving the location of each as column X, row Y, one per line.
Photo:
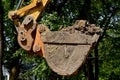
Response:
column 85, row 9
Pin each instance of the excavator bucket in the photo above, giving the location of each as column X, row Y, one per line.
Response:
column 67, row 50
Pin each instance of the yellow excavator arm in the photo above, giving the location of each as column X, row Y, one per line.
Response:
column 28, row 30
column 34, row 9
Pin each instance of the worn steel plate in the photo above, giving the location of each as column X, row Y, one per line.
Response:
column 67, row 50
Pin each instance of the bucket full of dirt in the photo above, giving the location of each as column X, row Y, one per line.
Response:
column 66, row 50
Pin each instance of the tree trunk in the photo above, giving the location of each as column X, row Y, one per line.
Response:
column 1, row 38
column 85, row 10
column 90, row 69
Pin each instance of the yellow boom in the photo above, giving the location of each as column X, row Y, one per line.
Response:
column 29, row 31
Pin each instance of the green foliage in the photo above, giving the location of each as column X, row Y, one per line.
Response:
column 51, row 20
column 109, row 58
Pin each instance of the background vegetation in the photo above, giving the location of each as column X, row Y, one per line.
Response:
column 103, row 13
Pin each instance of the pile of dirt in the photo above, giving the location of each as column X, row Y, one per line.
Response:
column 84, row 27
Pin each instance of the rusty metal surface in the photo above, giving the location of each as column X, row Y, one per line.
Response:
column 66, row 59
column 67, row 50
column 64, row 37
column 38, row 46
column 26, row 33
